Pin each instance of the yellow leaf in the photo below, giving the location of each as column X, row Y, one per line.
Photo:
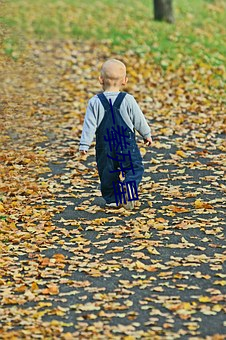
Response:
column 67, row 324
column 199, row 204
column 78, row 239
column 155, row 161
column 34, row 286
column 187, row 305
column 217, row 308
column 67, row 336
column 140, row 265
column 158, row 289
column 12, row 225
column 204, row 299
column 193, row 326
column 44, row 304
column 1, row 208
column 160, row 227
column 222, row 282
column 143, row 151
column 115, row 250
column 38, row 315
column 153, row 251
column 181, row 154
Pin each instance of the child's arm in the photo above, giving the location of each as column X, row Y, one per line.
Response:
column 139, row 122
column 88, row 130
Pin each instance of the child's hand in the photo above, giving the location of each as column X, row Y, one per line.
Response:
column 148, row 141
column 83, row 152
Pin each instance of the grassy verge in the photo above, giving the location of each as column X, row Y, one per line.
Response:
column 197, row 33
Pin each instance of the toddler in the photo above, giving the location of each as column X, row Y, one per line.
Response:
column 114, row 116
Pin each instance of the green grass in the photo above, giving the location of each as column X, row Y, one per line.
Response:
column 198, row 31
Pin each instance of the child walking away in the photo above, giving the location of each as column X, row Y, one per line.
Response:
column 114, row 116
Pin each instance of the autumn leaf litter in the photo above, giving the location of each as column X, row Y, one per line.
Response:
column 71, row 268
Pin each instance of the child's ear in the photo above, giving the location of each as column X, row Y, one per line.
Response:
column 101, row 80
column 125, row 81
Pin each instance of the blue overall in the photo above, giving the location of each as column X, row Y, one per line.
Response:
column 105, row 149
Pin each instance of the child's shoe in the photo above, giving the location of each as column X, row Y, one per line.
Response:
column 129, row 205
column 112, row 205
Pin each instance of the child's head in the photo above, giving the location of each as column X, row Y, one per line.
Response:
column 113, row 75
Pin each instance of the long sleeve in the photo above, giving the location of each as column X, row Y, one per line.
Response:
column 130, row 111
column 138, row 119
column 89, row 128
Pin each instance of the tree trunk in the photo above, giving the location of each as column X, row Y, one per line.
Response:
column 163, row 10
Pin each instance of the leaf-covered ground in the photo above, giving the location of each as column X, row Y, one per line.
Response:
column 69, row 268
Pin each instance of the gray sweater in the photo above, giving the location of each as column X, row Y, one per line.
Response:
column 129, row 110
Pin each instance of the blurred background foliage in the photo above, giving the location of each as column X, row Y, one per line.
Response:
column 197, row 34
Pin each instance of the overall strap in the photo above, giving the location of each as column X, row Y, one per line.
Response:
column 119, row 100
column 106, row 103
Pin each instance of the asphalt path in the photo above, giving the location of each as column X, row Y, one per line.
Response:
column 156, row 272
